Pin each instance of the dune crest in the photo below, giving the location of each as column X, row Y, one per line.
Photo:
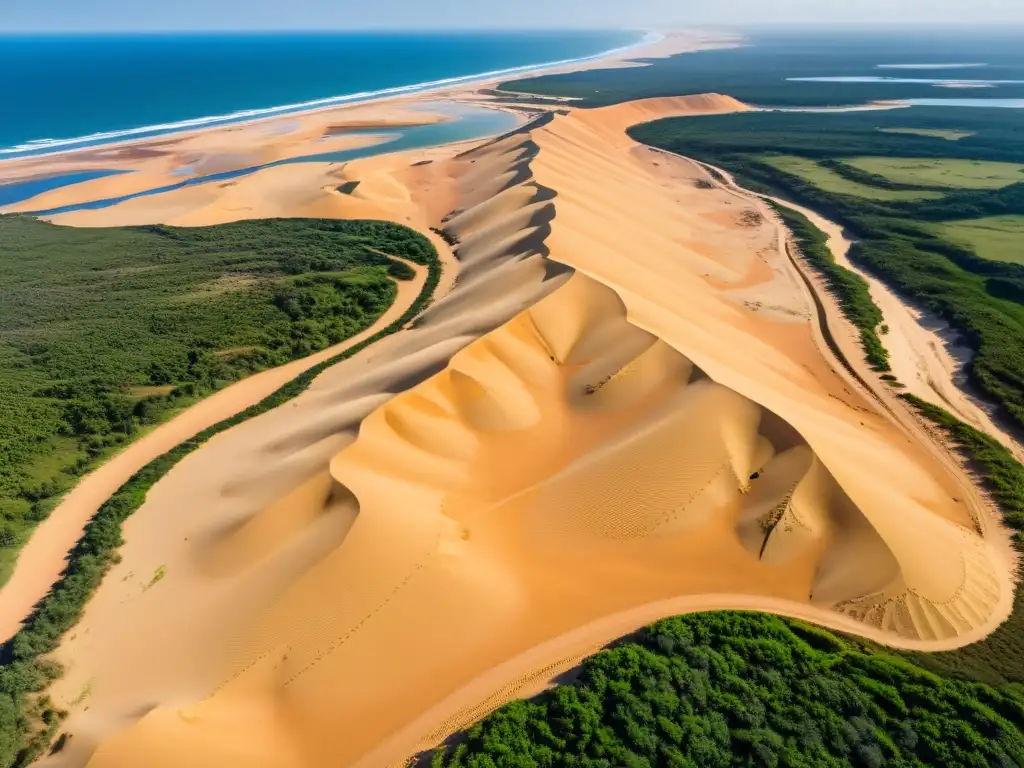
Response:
column 622, row 409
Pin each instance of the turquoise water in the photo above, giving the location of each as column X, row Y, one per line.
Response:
column 1001, row 103
column 15, row 192
column 467, row 123
column 974, row 65
column 925, row 81
column 81, row 90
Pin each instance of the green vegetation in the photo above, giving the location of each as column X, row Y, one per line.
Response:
column 937, row 172
column 741, row 689
column 849, row 288
column 104, row 332
column 1000, row 238
column 898, row 240
column 158, row 574
column 830, row 180
column 758, row 72
column 28, row 720
column 937, row 133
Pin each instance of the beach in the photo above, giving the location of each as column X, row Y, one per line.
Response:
column 188, row 155
column 621, row 405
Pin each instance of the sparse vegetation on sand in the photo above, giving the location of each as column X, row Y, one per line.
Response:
column 104, row 332
column 744, row 689
column 28, row 720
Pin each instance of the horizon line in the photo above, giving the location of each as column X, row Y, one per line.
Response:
column 724, row 26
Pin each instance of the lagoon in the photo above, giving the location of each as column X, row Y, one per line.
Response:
column 466, row 123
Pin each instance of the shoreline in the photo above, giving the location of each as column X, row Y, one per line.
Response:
column 192, row 126
column 164, row 160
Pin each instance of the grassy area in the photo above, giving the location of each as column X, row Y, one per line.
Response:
column 28, row 719
column 742, row 689
column 937, row 133
column 1000, row 238
column 812, row 172
column 106, row 332
column 941, row 172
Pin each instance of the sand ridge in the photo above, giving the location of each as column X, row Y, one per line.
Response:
column 620, row 410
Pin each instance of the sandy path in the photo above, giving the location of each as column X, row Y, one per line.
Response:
column 43, row 558
column 924, row 354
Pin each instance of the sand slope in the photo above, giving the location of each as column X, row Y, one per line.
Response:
column 622, row 409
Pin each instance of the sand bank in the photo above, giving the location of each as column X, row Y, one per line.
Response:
column 265, row 139
column 623, row 407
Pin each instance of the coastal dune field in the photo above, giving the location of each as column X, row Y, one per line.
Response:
column 619, row 407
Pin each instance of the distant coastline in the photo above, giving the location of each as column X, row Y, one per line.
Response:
column 39, row 147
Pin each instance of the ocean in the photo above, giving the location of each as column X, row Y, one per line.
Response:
column 71, row 91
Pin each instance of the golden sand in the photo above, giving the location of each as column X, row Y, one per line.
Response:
column 623, row 409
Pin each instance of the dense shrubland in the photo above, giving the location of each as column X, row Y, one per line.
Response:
column 104, row 332
column 744, row 689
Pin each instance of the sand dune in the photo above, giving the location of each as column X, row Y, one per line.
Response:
column 925, row 354
column 621, row 409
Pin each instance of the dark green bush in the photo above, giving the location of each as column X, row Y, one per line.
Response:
column 744, row 689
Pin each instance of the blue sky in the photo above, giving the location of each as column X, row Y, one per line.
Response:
column 81, row 15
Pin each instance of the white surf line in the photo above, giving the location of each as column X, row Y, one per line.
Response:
column 974, row 65
column 43, row 147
